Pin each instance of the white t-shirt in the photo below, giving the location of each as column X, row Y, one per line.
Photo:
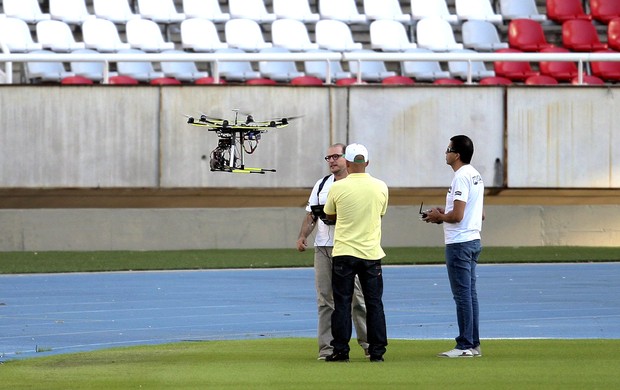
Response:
column 467, row 186
column 325, row 233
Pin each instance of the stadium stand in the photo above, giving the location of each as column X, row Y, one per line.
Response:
column 205, row 9
column 588, row 80
column 90, row 70
column 56, row 35
column 371, row 71
column 477, row 10
column 520, row 9
column 343, row 10
column 116, row 11
column 421, row 9
column 481, row 35
column 436, row 34
column 559, row 70
column 423, row 70
column 465, row 69
column 280, row 71
column 236, row 70
column 397, row 80
column 389, row 35
column 497, row 80
column 185, row 71
column 613, row 34
column 562, row 10
column 604, row 10
column 76, row 80
column 607, row 71
column 145, row 35
column 385, row 10
column 16, row 35
column 319, row 69
column 141, row 71
column 335, row 35
column 69, row 11
column 245, row 34
column 102, row 35
column 295, row 9
column 52, row 71
column 448, row 81
column 540, row 80
column 306, row 80
column 250, row 9
column 27, row 10
column 291, row 34
column 513, row 70
column 200, row 35
column 160, row 11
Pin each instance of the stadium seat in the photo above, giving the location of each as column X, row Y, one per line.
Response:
column 91, row 70
column 559, row 70
column 160, row 11
column 389, row 35
column 613, row 34
column 235, row 70
column 245, row 34
column 481, row 35
column 397, row 80
column 477, row 10
column 606, row 70
column 181, row 70
column 76, row 80
column 250, row 9
column 164, row 81
column 462, row 69
column 292, row 35
column 145, row 35
column 16, row 35
column 581, row 35
column 541, row 80
column 205, row 9
column 562, row 10
column 56, row 35
column 295, row 9
column 385, row 10
column 495, row 81
column 200, row 35
column 588, row 80
column 513, row 70
column 343, row 10
column 448, row 81
column 52, row 71
column 27, row 10
column 436, row 34
column 421, row 9
column 116, row 11
column 527, row 35
column 423, row 70
column 281, row 71
column 604, row 10
column 208, row 80
column 69, row 11
column 306, row 80
column 521, row 9
column 349, row 81
column 261, row 81
column 319, row 68
column 374, row 71
column 335, row 35
column 102, row 35
column 122, row 80
column 141, row 71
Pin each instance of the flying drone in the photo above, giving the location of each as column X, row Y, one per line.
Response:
column 236, row 139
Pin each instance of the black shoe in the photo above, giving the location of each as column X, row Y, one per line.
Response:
column 337, row 357
column 376, row 359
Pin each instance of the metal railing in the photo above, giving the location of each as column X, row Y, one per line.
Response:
column 215, row 58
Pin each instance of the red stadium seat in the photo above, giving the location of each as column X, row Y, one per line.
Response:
column 527, row 35
column 588, row 80
column 306, row 80
column 604, row 10
column 123, row 80
column 448, row 81
column 562, row 10
column 581, row 35
column 348, row 81
column 495, row 81
column 559, row 70
column 398, row 80
column 261, row 81
column 606, row 70
column 541, row 80
column 208, row 80
column 165, row 81
column 76, row 80
column 512, row 70
column 613, row 34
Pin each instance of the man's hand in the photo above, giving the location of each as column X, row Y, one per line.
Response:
column 302, row 244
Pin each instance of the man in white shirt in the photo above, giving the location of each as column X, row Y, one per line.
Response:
column 323, row 246
column 462, row 220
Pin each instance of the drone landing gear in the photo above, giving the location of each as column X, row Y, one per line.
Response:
column 220, row 159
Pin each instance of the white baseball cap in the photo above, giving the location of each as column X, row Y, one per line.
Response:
column 352, row 152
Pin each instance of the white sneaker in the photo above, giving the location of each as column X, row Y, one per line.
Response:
column 476, row 351
column 456, row 353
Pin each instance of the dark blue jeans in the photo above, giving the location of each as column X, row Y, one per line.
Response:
column 343, row 279
column 461, row 260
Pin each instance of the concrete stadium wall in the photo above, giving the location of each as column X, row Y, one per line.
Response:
column 136, row 137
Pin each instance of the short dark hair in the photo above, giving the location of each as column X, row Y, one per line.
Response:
column 342, row 146
column 464, row 146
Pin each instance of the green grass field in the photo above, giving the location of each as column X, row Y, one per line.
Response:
column 290, row 364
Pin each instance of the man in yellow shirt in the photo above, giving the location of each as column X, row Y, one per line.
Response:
column 357, row 203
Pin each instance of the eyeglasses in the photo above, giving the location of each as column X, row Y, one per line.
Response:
column 450, row 150
column 333, row 157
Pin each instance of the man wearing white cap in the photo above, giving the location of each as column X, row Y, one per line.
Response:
column 357, row 203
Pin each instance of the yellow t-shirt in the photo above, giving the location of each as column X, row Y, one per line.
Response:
column 359, row 201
